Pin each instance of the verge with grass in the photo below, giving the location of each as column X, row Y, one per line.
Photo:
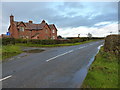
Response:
column 103, row 73
column 10, row 50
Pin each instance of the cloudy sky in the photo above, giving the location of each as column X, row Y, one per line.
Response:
column 71, row 18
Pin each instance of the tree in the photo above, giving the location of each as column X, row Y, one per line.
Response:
column 59, row 37
column 78, row 35
column 89, row 35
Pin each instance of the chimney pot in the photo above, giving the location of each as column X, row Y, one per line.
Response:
column 43, row 21
column 30, row 21
column 11, row 18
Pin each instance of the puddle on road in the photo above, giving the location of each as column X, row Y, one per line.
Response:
column 81, row 74
column 34, row 51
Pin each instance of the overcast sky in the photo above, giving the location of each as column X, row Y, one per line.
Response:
column 70, row 18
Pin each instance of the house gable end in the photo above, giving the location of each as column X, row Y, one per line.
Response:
column 48, row 26
column 52, row 26
column 21, row 24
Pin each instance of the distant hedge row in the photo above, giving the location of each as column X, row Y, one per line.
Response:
column 6, row 41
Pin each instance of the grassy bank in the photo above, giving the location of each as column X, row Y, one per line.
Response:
column 103, row 73
column 55, row 45
column 10, row 50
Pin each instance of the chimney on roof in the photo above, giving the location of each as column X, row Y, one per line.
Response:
column 11, row 19
column 43, row 21
column 30, row 21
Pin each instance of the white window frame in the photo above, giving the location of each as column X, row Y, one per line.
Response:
column 53, row 37
column 53, row 31
column 22, row 29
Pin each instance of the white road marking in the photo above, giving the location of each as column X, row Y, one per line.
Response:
column 59, row 55
column 68, row 52
column 5, row 78
column 88, row 45
column 82, row 47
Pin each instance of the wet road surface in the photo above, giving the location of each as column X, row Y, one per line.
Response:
column 59, row 67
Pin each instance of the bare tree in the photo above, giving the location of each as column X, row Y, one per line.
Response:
column 78, row 35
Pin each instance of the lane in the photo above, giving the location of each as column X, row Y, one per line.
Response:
column 53, row 68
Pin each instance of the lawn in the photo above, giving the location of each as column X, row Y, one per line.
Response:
column 103, row 73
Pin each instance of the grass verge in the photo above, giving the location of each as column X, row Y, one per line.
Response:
column 103, row 73
column 10, row 50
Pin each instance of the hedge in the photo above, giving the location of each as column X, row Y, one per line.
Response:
column 112, row 44
column 6, row 41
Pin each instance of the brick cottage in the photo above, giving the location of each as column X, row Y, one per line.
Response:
column 30, row 30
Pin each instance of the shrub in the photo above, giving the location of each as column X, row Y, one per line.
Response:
column 6, row 41
column 112, row 44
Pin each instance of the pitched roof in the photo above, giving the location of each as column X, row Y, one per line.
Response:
column 52, row 26
column 31, row 25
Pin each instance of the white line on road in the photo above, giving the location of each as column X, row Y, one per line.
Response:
column 82, row 47
column 68, row 52
column 5, row 78
column 59, row 55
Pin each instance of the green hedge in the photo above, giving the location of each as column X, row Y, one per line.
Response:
column 112, row 44
column 6, row 41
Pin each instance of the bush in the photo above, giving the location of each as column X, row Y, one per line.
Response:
column 6, row 41
column 112, row 44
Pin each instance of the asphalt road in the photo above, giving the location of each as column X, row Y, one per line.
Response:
column 54, row 68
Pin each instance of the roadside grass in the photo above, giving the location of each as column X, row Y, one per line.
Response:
column 54, row 45
column 10, row 50
column 103, row 73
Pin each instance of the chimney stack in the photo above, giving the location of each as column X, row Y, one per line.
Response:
column 43, row 21
column 11, row 19
column 30, row 21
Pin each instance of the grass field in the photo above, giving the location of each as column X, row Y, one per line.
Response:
column 103, row 73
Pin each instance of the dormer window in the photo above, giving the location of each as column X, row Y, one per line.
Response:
column 21, row 28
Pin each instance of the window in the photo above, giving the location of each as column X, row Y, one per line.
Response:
column 21, row 28
column 53, row 37
column 27, row 37
column 53, row 31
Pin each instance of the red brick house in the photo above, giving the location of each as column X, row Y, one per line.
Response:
column 30, row 30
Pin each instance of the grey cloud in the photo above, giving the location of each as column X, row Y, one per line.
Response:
column 66, row 14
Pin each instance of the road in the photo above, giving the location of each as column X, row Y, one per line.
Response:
column 54, row 68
